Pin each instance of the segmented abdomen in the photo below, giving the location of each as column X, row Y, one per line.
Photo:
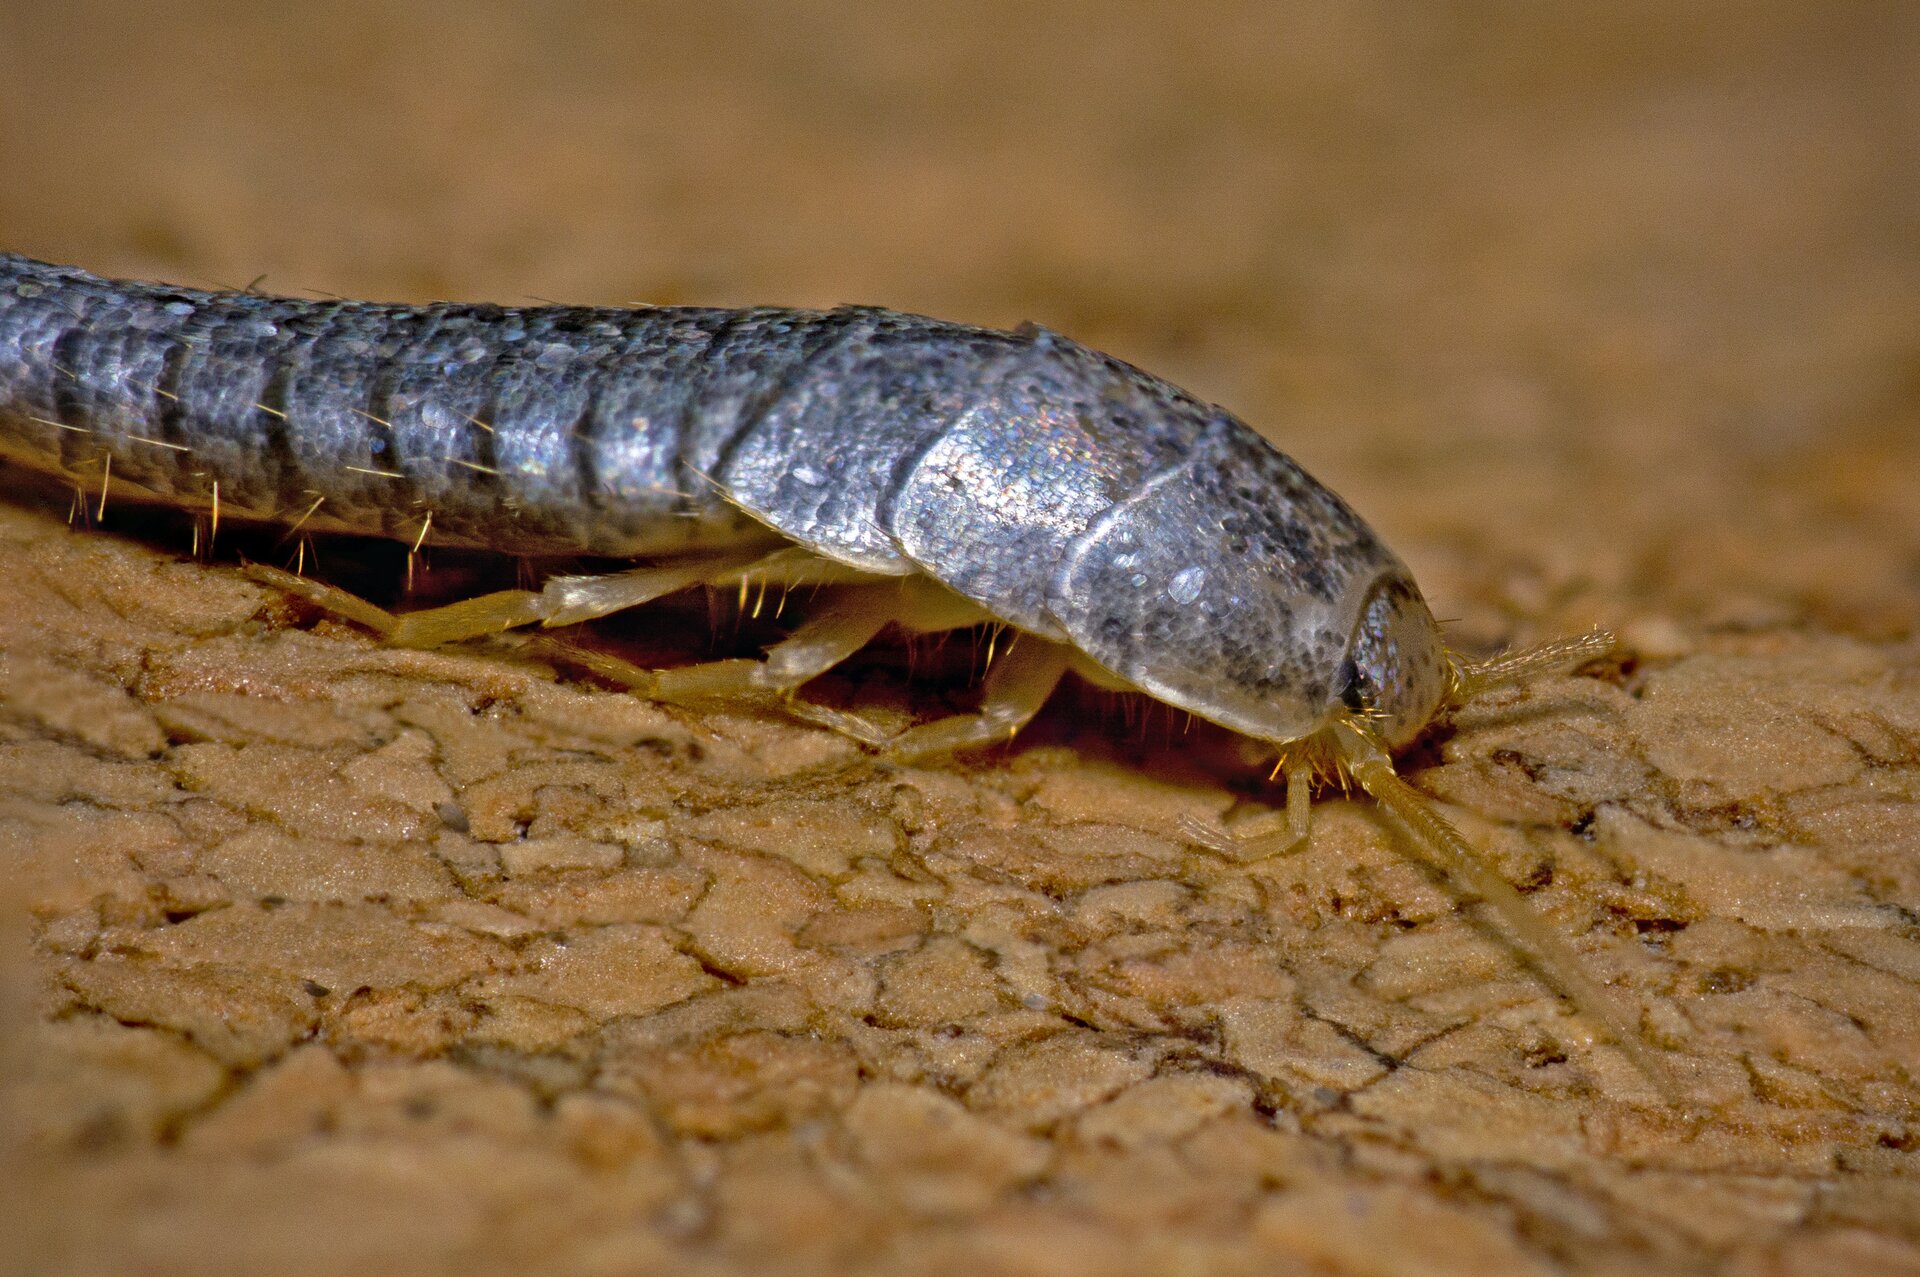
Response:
column 548, row 429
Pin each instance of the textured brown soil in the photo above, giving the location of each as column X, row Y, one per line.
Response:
column 326, row 958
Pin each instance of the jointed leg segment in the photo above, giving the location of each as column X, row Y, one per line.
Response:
column 564, row 600
column 849, row 621
column 1272, row 833
column 1016, row 686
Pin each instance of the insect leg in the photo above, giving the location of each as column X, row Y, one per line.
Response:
column 1015, row 689
column 852, row 607
column 848, row 622
column 329, row 598
column 1270, row 834
column 916, row 606
column 563, row 600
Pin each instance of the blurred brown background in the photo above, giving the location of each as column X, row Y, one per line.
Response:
column 1601, row 314
column 1668, row 249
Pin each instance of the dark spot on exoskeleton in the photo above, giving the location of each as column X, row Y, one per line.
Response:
column 1295, row 539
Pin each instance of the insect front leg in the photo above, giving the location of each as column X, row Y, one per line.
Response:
column 1269, row 834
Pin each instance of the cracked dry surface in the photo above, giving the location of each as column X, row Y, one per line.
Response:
column 523, row 972
column 319, row 957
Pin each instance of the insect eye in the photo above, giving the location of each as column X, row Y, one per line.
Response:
column 1352, row 693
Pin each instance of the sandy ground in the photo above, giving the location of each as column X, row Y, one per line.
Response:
column 326, row 958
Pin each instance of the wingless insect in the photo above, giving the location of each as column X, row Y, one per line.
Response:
column 924, row 475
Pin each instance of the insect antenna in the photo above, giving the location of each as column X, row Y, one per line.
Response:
column 1471, row 678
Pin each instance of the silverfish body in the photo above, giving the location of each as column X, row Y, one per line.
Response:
column 1063, row 491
